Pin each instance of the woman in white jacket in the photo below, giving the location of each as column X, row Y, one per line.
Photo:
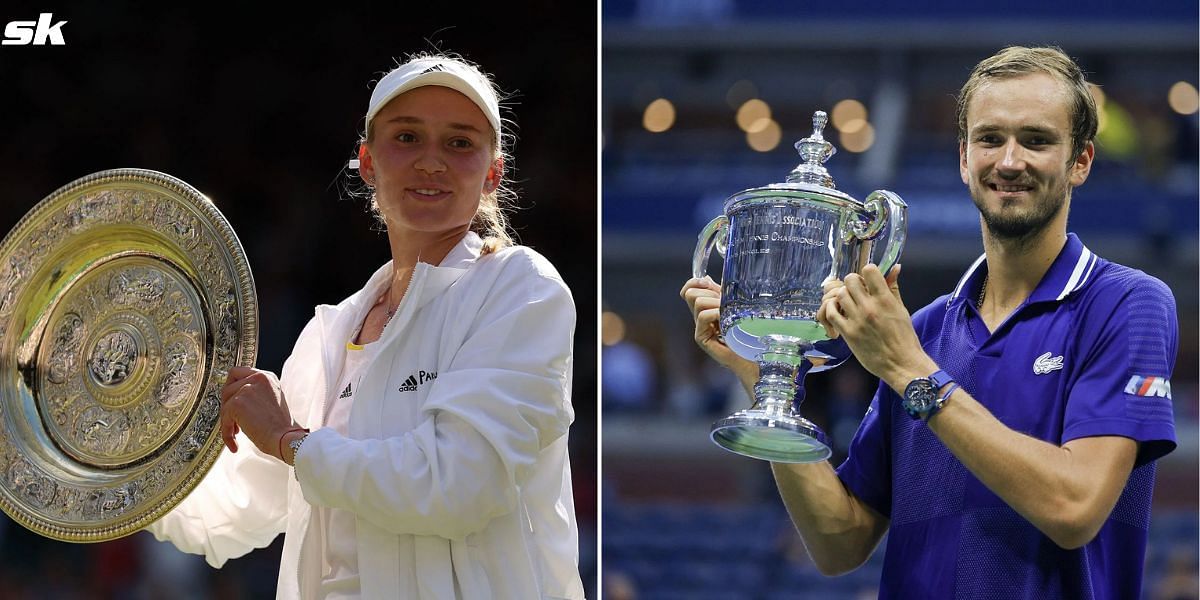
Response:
column 415, row 445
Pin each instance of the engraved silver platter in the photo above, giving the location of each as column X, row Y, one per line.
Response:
column 125, row 298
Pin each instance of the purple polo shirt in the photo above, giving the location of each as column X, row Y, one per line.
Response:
column 1089, row 353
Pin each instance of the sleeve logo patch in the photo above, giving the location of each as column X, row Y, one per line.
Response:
column 1159, row 387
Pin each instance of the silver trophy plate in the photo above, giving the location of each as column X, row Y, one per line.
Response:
column 125, row 298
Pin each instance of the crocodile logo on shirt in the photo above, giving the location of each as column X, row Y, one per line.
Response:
column 416, row 379
column 1045, row 364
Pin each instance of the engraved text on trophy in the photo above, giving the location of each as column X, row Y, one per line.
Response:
column 777, row 259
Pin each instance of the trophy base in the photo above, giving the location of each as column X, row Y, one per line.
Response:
column 785, row 439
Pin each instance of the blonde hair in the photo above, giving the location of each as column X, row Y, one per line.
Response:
column 1015, row 61
column 491, row 218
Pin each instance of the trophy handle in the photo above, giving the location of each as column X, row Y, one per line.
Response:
column 888, row 209
column 715, row 233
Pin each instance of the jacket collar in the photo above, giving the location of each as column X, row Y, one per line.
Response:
column 1070, row 272
column 428, row 281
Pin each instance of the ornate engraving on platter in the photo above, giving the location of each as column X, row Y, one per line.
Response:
column 33, row 485
column 113, row 357
column 143, row 287
column 182, row 363
column 124, row 298
column 129, row 400
column 100, row 431
column 66, row 348
column 227, row 328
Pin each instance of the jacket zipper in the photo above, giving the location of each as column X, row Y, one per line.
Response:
column 324, row 400
column 403, row 301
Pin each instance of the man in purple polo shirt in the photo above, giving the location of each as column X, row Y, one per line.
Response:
column 1010, row 448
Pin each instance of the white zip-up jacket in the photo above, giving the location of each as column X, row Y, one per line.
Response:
column 456, row 460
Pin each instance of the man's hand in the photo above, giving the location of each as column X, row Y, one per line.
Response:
column 252, row 401
column 831, row 288
column 703, row 297
column 867, row 310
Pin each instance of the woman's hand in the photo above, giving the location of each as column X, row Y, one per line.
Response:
column 253, row 402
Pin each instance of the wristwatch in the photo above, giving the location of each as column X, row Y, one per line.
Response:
column 295, row 446
column 921, row 397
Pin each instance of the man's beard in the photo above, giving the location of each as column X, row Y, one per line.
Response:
column 1011, row 226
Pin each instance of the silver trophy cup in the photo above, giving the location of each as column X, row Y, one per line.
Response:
column 781, row 243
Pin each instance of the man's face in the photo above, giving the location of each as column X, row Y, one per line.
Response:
column 1016, row 159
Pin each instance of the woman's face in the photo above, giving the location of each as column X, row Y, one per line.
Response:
column 430, row 157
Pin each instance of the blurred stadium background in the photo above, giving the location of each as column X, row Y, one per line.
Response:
column 703, row 98
column 259, row 108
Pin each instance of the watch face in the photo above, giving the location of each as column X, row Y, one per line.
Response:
column 920, row 394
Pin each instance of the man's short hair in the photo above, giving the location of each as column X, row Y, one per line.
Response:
column 1015, row 61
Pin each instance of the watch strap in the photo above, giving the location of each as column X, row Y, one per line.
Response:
column 937, row 405
column 295, row 446
column 284, row 434
column 940, row 378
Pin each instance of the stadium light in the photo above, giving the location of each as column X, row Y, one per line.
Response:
column 612, row 328
column 849, row 115
column 859, row 140
column 659, row 116
column 750, row 112
column 1183, row 98
column 765, row 139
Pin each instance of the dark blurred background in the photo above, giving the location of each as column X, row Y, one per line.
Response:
column 702, row 99
column 259, row 109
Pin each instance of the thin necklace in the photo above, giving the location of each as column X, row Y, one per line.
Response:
column 385, row 300
column 982, row 291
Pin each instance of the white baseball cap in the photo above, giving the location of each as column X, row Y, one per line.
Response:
column 436, row 71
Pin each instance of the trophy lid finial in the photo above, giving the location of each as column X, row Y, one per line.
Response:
column 814, row 150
